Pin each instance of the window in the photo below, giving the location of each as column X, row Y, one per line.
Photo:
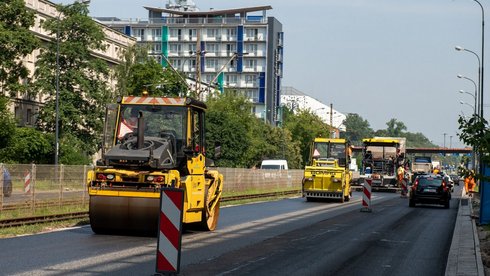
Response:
column 139, row 33
column 191, row 48
column 230, row 79
column 192, row 34
column 175, row 48
column 156, row 33
column 251, row 48
column 230, row 33
column 156, row 47
column 176, row 33
column 212, row 33
column 198, row 131
column 253, row 34
column 250, row 79
column 252, row 94
column 176, row 63
column 230, row 49
column 251, row 63
column 211, row 48
column 211, row 63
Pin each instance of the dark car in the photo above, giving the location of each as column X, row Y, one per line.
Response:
column 430, row 189
column 7, row 183
column 455, row 178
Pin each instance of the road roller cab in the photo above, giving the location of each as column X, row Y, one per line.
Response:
column 150, row 143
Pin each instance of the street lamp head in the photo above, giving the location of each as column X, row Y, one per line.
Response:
column 460, row 76
column 459, row 48
column 461, row 91
column 461, row 102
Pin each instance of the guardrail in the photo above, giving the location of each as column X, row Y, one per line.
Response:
column 36, row 187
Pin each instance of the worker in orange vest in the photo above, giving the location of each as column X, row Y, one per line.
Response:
column 469, row 183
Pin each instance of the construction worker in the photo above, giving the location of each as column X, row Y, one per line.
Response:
column 469, row 183
column 401, row 183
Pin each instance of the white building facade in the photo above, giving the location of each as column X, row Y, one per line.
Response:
column 26, row 107
column 241, row 49
column 297, row 100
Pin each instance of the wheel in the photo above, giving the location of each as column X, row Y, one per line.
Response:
column 309, row 199
column 210, row 218
column 411, row 203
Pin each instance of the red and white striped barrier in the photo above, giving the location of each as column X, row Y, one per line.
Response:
column 366, row 195
column 170, row 234
column 27, row 182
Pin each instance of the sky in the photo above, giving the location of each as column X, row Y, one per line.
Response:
column 381, row 59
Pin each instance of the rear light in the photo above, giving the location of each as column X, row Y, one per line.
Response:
column 159, row 178
column 101, row 176
column 415, row 184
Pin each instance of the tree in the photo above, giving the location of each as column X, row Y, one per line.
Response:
column 83, row 90
column 16, row 42
column 7, row 131
column 395, row 128
column 29, row 146
column 475, row 132
column 228, row 122
column 357, row 129
column 304, row 127
column 138, row 72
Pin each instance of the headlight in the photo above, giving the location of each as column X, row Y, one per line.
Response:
column 110, row 177
column 150, row 178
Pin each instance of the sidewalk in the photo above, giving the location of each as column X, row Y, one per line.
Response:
column 464, row 255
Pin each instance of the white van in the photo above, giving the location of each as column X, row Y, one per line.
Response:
column 274, row 165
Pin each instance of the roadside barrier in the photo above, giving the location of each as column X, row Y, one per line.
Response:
column 170, row 231
column 27, row 182
column 366, row 195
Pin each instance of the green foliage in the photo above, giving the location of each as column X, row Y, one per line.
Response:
column 16, row 42
column 83, row 88
column 30, row 146
column 304, row 127
column 7, row 122
column 357, row 129
column 72, row 151
column 475, row 132
column 244, row 139
column 138, row 72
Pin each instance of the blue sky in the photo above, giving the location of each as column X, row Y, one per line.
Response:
column 381, row 59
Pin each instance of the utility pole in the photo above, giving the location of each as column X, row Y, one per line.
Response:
column 331, row 120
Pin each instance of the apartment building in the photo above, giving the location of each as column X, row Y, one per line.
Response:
column 26, row 107
column 238, row 48
column 297, row 100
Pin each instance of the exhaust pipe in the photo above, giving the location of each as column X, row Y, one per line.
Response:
column 140, row 138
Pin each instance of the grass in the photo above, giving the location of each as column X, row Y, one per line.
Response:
column 19, row 213
column 40, row 228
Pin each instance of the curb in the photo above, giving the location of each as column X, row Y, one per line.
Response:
column 464, row 256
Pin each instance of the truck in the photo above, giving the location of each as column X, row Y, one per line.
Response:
column 422, row 164
column 165, row 149
column 328, row 176
column 381, row 158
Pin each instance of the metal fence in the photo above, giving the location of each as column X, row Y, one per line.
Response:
column 35, row 186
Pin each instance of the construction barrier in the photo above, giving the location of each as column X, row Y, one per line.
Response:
column 27, row 182
column 170, row 234
column 366, row 195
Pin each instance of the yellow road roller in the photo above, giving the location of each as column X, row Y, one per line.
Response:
column 150, row 143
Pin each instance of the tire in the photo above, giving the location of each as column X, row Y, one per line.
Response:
column 446, row 205
column 209, row 220
column 411, row 203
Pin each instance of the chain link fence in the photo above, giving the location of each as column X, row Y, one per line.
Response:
column 31, row 187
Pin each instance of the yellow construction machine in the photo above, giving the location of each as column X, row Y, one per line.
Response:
column 328, row 175
column 164, row 146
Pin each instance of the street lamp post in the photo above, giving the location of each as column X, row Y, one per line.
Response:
column 474, row 97
column 473, row 107
column 477, row 90
column 57, row 108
